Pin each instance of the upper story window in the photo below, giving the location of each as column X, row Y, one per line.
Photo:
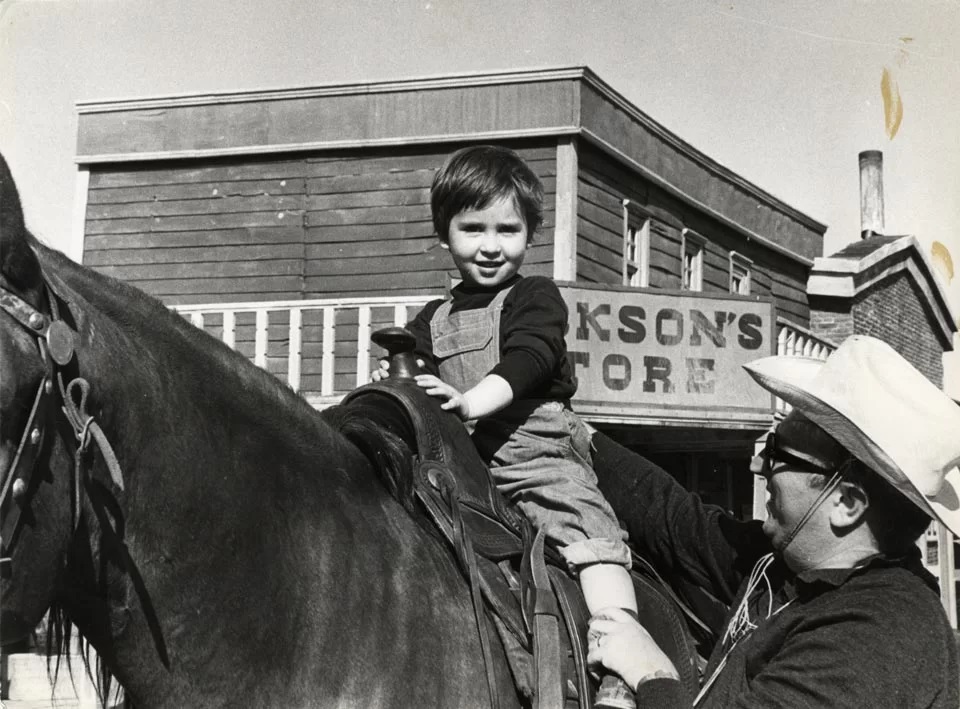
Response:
column 740, row 267
column 691, row 260
column 636, row 246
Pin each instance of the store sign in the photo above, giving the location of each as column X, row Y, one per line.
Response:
column 671, row 356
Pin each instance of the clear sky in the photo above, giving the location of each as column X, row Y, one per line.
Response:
column 786, row 93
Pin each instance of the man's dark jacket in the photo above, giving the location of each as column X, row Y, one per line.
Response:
column 874, row 636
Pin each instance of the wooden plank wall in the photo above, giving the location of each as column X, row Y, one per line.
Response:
column 368, row 228
column 347, row 223
column 604, row 184
column 199, row 232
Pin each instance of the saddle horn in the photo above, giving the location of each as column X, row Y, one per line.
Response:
column 399, row 344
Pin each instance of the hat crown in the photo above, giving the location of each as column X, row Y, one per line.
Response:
column 882, row 410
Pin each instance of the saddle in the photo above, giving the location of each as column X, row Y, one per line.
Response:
column 517, row 580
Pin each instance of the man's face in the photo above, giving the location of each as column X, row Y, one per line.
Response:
column 791, row 495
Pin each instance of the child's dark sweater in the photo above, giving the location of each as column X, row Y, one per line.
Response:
column 533, row 323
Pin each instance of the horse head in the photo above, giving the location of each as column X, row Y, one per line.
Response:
column 36, row 489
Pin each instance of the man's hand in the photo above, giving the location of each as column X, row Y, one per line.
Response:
column 455, row 401
column 622, row 645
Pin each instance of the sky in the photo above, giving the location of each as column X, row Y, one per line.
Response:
column 785, row 93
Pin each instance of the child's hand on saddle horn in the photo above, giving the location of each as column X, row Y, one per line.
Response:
column 455, row 401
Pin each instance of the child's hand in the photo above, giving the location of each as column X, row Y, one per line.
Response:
column 378, row 375
column 455, row 401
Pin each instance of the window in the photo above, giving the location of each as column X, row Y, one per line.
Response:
column 691, row 260
column 739, row 273
column 636, row 246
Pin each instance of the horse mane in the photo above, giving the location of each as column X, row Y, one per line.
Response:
column 59, row 637
column 390, row 453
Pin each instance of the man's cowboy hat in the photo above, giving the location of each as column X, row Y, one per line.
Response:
column 882, row 410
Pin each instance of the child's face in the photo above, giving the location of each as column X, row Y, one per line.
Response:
column 488, row 245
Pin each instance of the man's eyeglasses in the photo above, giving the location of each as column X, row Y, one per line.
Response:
column 773, row 453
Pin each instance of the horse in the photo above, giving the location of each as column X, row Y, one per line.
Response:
column 214, row 538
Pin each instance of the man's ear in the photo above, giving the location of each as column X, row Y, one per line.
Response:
column 850, row 506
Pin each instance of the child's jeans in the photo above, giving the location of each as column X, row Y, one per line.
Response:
column 539, row 455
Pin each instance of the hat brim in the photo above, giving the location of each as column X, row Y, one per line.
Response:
column 790, row 379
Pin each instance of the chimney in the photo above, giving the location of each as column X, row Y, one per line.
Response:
column 871, row 193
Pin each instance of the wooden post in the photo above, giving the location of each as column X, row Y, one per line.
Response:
column 948, row 594
column 295, row 337
column 78, row 229
column 565, row 231
column 759, row 484
column 327, row 371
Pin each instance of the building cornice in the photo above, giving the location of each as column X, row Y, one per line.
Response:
column 448, row 81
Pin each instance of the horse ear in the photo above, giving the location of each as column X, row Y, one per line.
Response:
column 18, row 263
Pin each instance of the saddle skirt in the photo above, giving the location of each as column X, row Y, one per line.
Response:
column 521, row 583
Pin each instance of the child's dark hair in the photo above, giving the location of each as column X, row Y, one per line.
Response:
column 473, row 177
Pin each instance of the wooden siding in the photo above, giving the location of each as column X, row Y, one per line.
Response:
column 343, row 223
column 358, row 208
column 199, row 232
column 551, row 105
column 604, row 184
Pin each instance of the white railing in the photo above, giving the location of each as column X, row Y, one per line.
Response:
column 793, row 340
column 273, row 335
column 277, row 331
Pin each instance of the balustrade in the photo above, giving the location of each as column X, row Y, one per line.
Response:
column 320, row 347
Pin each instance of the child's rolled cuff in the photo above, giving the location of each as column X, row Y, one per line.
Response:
column 587, row 552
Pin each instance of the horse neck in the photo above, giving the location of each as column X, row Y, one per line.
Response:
column 229, row 477
column 175, row 401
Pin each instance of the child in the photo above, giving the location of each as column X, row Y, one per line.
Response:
column 498, row 346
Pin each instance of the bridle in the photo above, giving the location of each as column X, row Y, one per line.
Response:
column 56, row 343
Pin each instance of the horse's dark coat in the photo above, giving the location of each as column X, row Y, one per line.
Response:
column 280, row 570
column 255, row 556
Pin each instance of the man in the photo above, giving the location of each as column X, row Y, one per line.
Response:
column 830, row 603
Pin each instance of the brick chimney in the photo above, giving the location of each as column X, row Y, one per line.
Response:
column 882, row 285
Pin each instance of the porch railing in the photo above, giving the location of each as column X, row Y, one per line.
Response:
column 793, row 340
column 321, row 348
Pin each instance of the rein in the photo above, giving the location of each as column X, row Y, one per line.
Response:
column 56, row 343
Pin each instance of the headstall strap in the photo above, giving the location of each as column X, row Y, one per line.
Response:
column 56, row 341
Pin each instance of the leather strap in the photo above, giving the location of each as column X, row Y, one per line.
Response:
column 568, row 595
column 546, row 632
column 448, row 488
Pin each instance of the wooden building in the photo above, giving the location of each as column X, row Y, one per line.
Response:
column 291, row 222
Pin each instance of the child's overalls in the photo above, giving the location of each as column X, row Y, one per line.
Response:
column 538, row 449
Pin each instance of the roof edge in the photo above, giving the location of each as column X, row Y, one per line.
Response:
column 834, row 276
column 703, row 159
